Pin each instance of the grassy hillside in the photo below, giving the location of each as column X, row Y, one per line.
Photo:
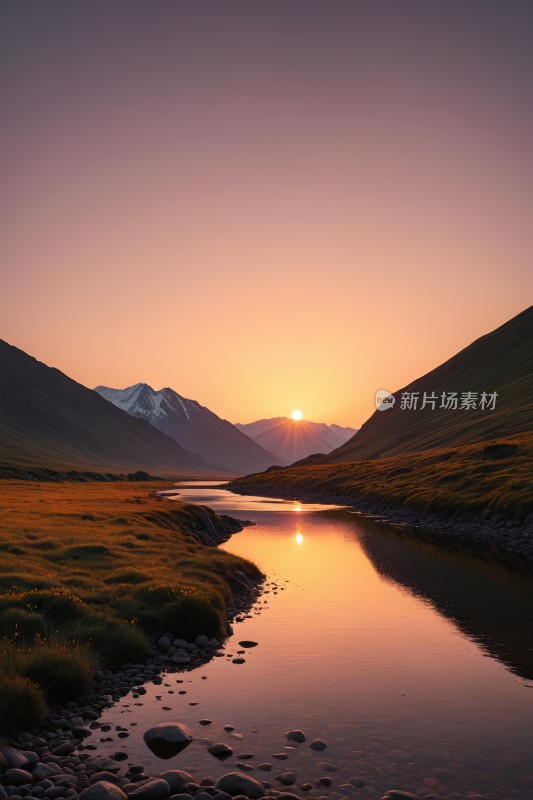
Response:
column 499, row 362
column 88, row 571
column 49, row 420
column 491, row 479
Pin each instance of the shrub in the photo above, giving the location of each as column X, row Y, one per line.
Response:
column 131, row 576
column 21, row 624
column 61, row 671
column 185, row 617
column 22, row 703
column 114, row 641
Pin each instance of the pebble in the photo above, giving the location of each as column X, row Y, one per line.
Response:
column 295, row 736
column 318, row 744
column 220, row 750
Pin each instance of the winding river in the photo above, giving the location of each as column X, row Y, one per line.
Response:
column 413, row 662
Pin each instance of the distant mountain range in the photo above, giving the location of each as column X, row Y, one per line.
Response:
column 49, row 420
column 500, row 361
column 293, row 440
column 193, row 426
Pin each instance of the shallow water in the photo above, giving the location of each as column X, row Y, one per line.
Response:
column 413, row 662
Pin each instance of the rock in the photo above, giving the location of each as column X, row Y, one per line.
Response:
column 81, row 732
column 318, row 744
column 287, row 778
column 280, row 756
column 43, row 771
column 103, row 791
column 325, row 781
column 14, row 758
column 3, row 794
column 153, row 789
column 202, row 640
column 295, row 736
column 164, row 643
column 239, row 660
column 247, row 643
column 220, row 750
column 397, row 794
column 167, row 740
column 16, row 777
column 265, row 766
column 103, row 776
column 235, row 784
column 176, row 779
column 205, row 721
column 287, row 796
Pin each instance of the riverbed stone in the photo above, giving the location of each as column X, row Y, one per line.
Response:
column 153, row 789
column 16, row 777
column 234, row 783
column 103, row 791
column 318, row 744
column 167, row 740
column 14, row 758
column 110, row 777
column 220, row 750
column 176, row 779
column 295, row 736
column 287, row 778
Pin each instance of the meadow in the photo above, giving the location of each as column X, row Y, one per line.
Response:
column 89, row 574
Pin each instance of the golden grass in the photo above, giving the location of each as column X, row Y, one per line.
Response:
column 490, row 479
column 88, row 570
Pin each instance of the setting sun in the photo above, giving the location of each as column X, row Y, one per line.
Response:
column 297, row 415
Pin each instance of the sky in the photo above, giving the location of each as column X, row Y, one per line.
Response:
column 264, row 205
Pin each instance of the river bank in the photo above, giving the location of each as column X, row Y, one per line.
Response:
column 499, row 538
column 481, row 493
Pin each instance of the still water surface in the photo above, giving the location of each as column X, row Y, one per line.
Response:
column 413, row 662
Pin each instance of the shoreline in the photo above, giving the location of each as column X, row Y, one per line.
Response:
column 503, row 539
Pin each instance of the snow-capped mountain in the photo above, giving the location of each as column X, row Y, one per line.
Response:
column 294, row 440
column 193, row 426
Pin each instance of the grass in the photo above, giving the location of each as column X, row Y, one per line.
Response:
column 88, row 573
column 490, row 479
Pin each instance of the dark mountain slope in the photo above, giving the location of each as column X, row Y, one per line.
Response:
column 49, row 420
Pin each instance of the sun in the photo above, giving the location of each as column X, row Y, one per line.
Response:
column 297, row 414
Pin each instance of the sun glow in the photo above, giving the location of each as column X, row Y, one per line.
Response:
column 299, row 538
column 297, row 415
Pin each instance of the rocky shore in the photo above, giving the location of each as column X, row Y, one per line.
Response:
column 503, row 538
column 61, row 760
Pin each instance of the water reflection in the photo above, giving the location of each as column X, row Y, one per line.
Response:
column 490, row 602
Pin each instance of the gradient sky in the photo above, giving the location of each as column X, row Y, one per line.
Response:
column 264, row 205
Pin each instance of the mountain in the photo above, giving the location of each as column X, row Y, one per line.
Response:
column 193, row 426
column 49, row 420
column 500, row 361
column 294, row 440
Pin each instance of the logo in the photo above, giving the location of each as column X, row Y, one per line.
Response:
column 384, row 400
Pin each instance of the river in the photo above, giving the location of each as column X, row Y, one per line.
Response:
column 413, row 662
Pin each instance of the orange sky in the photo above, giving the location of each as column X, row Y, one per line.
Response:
column 264, row 206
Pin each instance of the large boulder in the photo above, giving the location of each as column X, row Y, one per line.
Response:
column 234, row 783
column 153, row 789
column 168, row 739
column 176, row 779
column 103, row 791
